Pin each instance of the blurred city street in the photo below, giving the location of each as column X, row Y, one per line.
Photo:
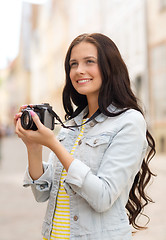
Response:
column 21, row 217
column 35, row 36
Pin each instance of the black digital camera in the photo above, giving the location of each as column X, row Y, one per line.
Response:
column 44, row 111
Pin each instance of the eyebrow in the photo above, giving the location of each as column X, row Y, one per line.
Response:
column 72, row 60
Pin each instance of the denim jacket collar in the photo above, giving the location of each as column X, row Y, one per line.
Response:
column 78, row 119
column 100, row 118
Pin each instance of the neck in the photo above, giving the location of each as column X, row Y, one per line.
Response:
column 92, row 106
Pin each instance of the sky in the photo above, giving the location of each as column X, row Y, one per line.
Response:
column 10, row 26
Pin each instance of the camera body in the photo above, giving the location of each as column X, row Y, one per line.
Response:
column 44, row 113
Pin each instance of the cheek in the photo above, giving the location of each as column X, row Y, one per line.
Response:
column 72, row 78
column 71, row 75
column 98, row 77
column 95, row 71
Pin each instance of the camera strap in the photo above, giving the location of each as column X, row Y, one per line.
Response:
column 56, row 116
column 77, row 110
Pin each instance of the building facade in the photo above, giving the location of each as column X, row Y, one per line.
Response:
column 156, row 19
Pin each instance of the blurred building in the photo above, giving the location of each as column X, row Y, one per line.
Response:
column 156, row 22
column 125, row 23
column 137, row 27
column 9, row 96
column 42, row 53
column 142, row 42
column 4, row 101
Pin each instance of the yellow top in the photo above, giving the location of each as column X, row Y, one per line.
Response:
column 61, row 220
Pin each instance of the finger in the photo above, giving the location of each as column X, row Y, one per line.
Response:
column 25, row 106
column 16, row 126
column 20, row 128
column 17, row 130
column 36, row 120
column 16, row 117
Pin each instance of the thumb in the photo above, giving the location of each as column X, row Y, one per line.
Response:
column 36, row 119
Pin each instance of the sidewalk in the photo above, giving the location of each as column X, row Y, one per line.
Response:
column 156, row 211
column 21, row 217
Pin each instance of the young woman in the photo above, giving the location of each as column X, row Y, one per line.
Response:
column 97, row 172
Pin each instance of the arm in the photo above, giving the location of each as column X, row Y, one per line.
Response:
column 34, row 149
column 35, row 139
column 41, row 187
column 39, row 174
column 35, row 165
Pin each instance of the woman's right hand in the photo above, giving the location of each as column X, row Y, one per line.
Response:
column 34, row 150
column 29, row 144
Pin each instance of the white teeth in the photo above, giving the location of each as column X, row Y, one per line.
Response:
column 82, row 81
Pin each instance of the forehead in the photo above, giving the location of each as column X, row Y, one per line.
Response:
column 83, row 49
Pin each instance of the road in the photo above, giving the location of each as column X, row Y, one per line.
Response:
column 21, row 217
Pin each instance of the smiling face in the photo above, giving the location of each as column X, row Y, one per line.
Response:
column 84, row 69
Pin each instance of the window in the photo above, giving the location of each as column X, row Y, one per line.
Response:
column 138, row 86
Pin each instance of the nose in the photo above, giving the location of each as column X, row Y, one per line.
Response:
column 80, row 69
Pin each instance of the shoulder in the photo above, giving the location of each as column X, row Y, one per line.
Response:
column 134, row 114
column 134, row 117
column 129, row 115
column 132, row 123
column 130, row 119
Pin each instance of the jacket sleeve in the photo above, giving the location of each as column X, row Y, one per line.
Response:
column 120, row 163
column 42, row 186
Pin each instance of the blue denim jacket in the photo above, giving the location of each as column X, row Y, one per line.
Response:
column 99, row 179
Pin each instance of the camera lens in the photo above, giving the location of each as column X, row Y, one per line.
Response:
column 26, row 120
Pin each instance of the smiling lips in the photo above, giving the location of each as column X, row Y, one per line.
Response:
column 82, row 81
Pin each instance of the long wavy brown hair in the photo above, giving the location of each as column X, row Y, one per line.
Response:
column 116, row 90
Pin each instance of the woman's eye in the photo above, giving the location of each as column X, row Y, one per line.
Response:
column 73, row 64
column 90, row 61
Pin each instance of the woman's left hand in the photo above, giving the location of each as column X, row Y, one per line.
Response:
column 43, row 135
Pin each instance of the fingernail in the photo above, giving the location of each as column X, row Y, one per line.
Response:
column 32, row 113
